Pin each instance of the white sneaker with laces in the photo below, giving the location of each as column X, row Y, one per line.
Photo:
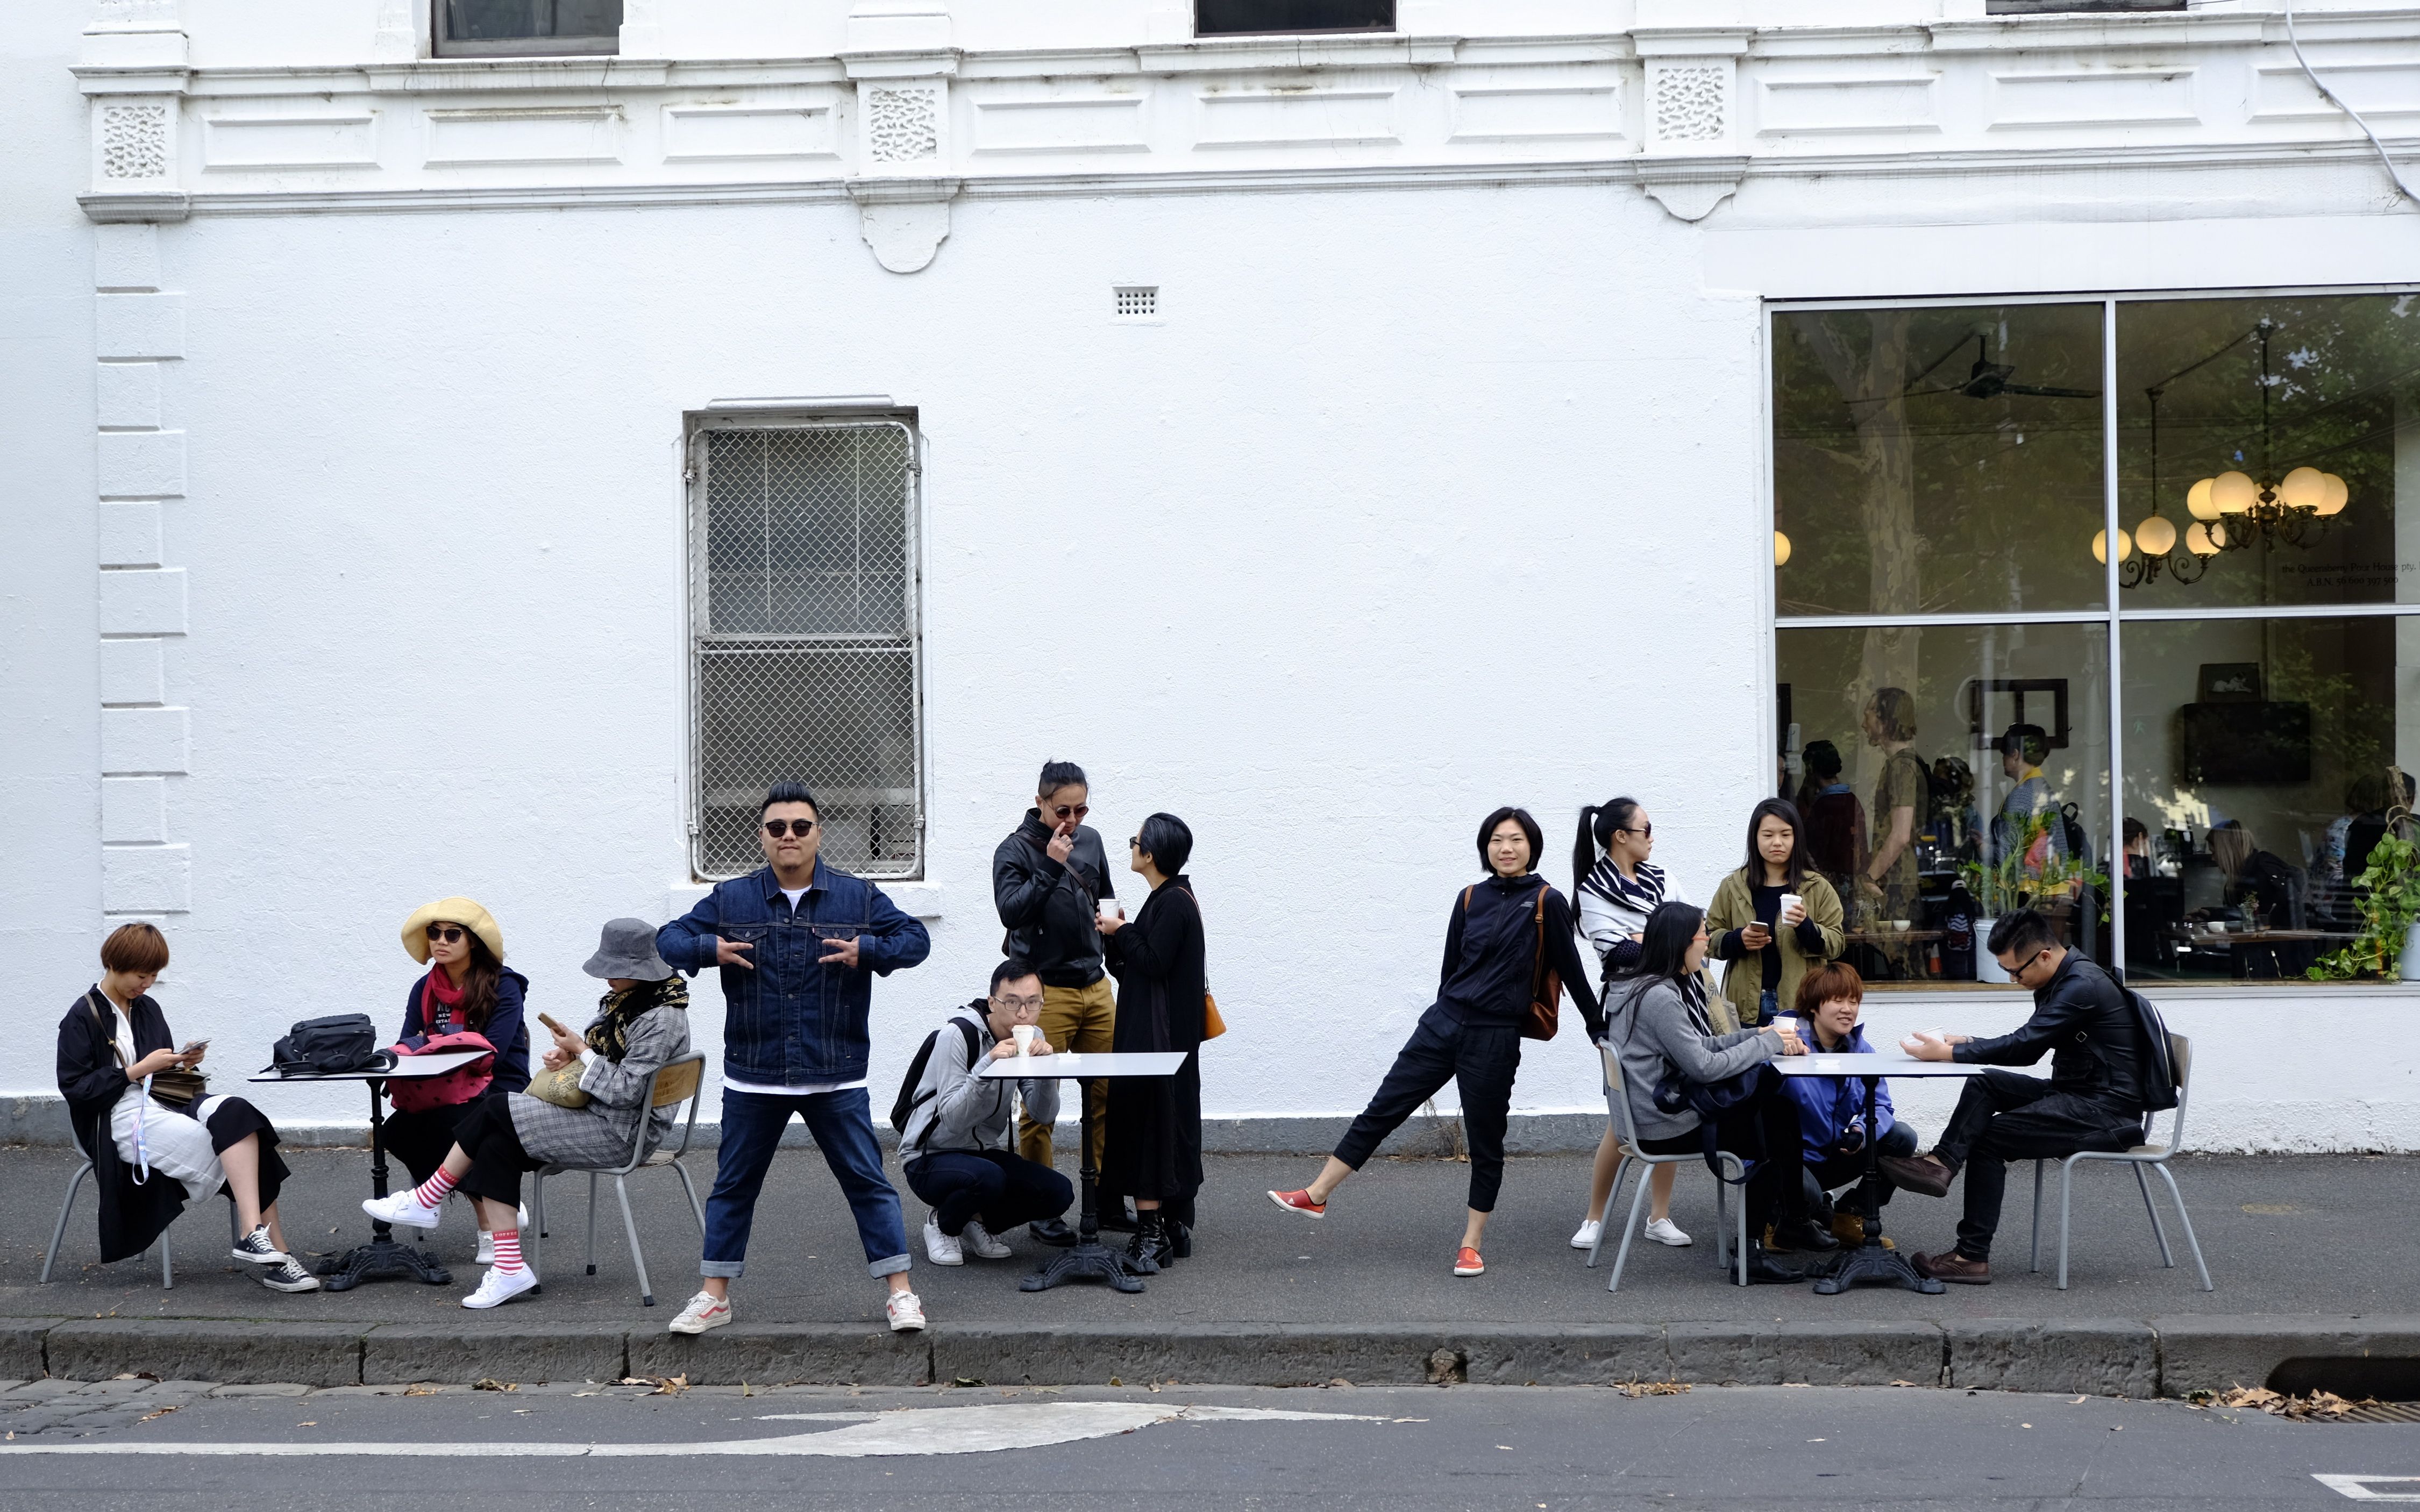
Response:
column 403, row 1208
column 706, row 1310
column 1585, row 1237
column 905, row 1312
column 1665, row 1231
column 499, row 1287
column 981, row 1242
column 940, row 1248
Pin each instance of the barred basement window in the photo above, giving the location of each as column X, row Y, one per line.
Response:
column 804, row 637
column 540, row 28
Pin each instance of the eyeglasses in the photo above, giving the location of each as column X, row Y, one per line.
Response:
column 1065, row 811
column 1648, row 831
column 1019, row 1004
column 1134, row 843
column 450, row 933
column 778, row 828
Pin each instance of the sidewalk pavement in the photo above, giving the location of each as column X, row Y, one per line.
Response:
column 2311, row 1256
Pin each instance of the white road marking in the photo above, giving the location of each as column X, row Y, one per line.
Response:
column 933, row 1430
column 2357, row 1488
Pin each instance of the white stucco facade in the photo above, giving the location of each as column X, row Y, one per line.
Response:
column 347, row 399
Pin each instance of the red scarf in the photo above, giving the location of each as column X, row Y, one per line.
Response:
column 443, row 997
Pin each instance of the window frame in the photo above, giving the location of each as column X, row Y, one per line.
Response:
column 1393, row 29
column 696, row 623
column 439, row 46
column 2115, row 615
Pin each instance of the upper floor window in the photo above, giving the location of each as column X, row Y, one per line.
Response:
column 2041, row 7
column 475, row 28
column 1239, row 17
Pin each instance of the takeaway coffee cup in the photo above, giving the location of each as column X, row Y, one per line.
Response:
column 1024, row 1034
column 1789, row 901
column 1109, row 908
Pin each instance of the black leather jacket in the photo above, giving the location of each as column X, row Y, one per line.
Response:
column 1050, row 910
column 2081, row 1017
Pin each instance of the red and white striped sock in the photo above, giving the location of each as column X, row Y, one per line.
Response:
column 432, row 1193
column 509, row 1249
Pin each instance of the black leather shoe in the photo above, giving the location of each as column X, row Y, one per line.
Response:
column 1763, row 1271
column 1053, row 1231
column 1801, row 1236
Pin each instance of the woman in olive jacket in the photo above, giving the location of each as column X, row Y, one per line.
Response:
column 1768, row 947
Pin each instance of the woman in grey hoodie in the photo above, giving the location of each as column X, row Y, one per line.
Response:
column 1657, row 1019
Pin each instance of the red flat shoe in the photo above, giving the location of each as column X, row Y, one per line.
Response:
column 1299, row 1202
column 1466, row 1262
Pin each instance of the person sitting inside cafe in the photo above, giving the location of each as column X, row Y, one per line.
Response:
column 1832, row 1109
column 2092, row 1101
column 954, row 1149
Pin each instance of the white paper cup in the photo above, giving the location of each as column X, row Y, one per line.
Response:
column 1110, row 908
column 1024, row 1034
column 1791, row 900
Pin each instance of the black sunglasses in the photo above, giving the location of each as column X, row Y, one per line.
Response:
column 1649, row 830
column 1077, row 812
column 450, row 933
column 778, row 828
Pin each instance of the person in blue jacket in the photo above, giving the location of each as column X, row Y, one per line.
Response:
column 798, row 944
column 1832, row 1109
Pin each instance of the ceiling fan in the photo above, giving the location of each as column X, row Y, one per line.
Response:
column 1987, row 380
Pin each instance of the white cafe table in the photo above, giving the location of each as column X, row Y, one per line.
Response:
column 1090, row 1260
column 1871, row 1263
column 383, row 1256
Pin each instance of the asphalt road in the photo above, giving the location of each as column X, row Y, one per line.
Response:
column 277, row 1449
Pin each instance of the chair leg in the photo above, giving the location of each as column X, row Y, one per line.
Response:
column 1722, row 1223
column 592, row 1222
column 638, row 1258
column 75, row 1184
column 1629, row 1227
column 2185, row 1219
column 2156, row 1231
column 1620, row 1168
column 167, row 1265
column 2035, row 1263
column 696, row 1209
column 2066, row 1189
column 1739, row 1250
column 537, row 1235
column 235, row 1235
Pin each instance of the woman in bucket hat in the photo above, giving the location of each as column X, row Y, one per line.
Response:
column 641, row 1026
column 468, row 989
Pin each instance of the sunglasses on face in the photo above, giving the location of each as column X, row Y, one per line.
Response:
column 450, row 933
column 778, row 828
column 1648, row 831
column 1064, row 811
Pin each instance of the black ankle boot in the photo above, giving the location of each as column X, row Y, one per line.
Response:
column 1180, row 1241
column 1149, row 1248
column 1762, row 1270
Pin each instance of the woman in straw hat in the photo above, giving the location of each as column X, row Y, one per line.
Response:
column 467, row 989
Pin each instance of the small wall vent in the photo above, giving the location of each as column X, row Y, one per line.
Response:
column 1136, row 301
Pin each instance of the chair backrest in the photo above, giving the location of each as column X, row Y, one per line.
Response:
column 1617, row 1097
column 675, row 1081
column 2181, row 1053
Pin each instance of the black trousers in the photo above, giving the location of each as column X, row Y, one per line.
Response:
column 2003, row 1117
column 998, row 1187
column 1762, row 1129
column 1481, row 1059
column 1839, row 1170
column 486, row 1135
column 422, row 1140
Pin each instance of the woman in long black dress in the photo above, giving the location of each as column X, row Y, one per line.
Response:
column 1153, row 1138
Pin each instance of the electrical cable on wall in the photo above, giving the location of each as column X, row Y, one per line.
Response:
column 2312, row 75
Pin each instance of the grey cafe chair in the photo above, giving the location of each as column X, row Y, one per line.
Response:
column 674, row 1082
column 1617, row 1103
column 2144, row 1158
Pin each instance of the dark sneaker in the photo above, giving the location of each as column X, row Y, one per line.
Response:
column 1952, row 1266
column 256, row 1249
column 1052, row 1231
column 1927, row 1174
column 289, row 1276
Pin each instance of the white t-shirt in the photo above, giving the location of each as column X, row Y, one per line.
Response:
column 794, row 894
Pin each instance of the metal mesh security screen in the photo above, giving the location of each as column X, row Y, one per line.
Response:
column 805, row 652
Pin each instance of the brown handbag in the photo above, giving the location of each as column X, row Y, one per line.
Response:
column 1545, row 1013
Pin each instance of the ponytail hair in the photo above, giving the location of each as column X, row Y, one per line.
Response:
column 1598, row 821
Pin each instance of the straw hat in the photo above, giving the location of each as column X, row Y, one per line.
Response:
column 463, row 911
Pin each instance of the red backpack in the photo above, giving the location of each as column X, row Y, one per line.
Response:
column 418, row 1094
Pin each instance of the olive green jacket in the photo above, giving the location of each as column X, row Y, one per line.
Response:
column 1744, row 969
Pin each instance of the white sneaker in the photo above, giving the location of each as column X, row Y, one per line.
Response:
column 905, row 1312
column 706, row 1310
column 940, row 1248
column 487, row 1254
column 1665, row 1231
column 1585, row 1237
column 980, row 1241
column 499, row 1287
column 402, row 1208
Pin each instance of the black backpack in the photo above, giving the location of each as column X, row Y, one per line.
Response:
column 325, row 1047
column 903, row 1107
column 2158, row 1050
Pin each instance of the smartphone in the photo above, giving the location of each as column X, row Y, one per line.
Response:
column 194, row 1047
column 551, row 1022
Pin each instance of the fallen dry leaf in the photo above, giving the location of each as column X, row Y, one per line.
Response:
column 1634, row 1389
column 491, row 1383
column 2320, row 1406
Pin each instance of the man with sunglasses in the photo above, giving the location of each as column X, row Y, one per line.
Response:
column 2092, row 1101
column 798, row 944
column 1048, row 879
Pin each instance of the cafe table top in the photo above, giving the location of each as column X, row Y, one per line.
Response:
column 1099, row 1063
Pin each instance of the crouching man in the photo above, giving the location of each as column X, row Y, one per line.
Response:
column 955, row 1147
column 2093, row 1100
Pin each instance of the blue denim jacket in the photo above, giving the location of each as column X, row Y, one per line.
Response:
column 793, row 1021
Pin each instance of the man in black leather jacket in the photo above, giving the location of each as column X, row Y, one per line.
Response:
column 1047, row 879
column 2093, row 1100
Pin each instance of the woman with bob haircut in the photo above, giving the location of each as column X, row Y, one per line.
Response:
column 1153, row 1144
column 1659, row 1025
column 467, row 990
column 151, row 1155
column 1771, row 920
column 1504, row 932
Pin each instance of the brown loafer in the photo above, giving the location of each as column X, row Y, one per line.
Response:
column 1952, row 1266
column 1926, row 1174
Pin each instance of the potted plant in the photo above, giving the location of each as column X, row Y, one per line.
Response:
column 2388, row 898
column 2029, row 872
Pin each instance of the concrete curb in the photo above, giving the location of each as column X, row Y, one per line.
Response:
column 2106, row 1357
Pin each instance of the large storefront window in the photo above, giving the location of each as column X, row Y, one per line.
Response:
column 1980, row 622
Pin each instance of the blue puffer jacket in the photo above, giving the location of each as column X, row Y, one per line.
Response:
column 1829, row 1106
column 792, row 1020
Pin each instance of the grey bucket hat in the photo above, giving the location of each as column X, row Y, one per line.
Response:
column 627, row 948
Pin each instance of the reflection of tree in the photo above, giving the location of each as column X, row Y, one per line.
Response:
column 1884, row 461
column 2352, row 721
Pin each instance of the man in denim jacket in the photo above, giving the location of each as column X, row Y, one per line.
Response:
column 795, row 940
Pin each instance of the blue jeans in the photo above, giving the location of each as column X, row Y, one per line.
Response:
column 842, row 1124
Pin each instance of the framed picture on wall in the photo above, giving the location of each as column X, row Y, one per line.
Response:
column 2230, row 682
column 1994, row 704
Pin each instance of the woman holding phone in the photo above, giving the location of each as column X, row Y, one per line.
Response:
column 641, row 1026
column 150, row 1154
column 1771, row 920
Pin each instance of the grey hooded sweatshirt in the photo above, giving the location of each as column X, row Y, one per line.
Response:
column 965, row 1110
column 1647, row 1027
